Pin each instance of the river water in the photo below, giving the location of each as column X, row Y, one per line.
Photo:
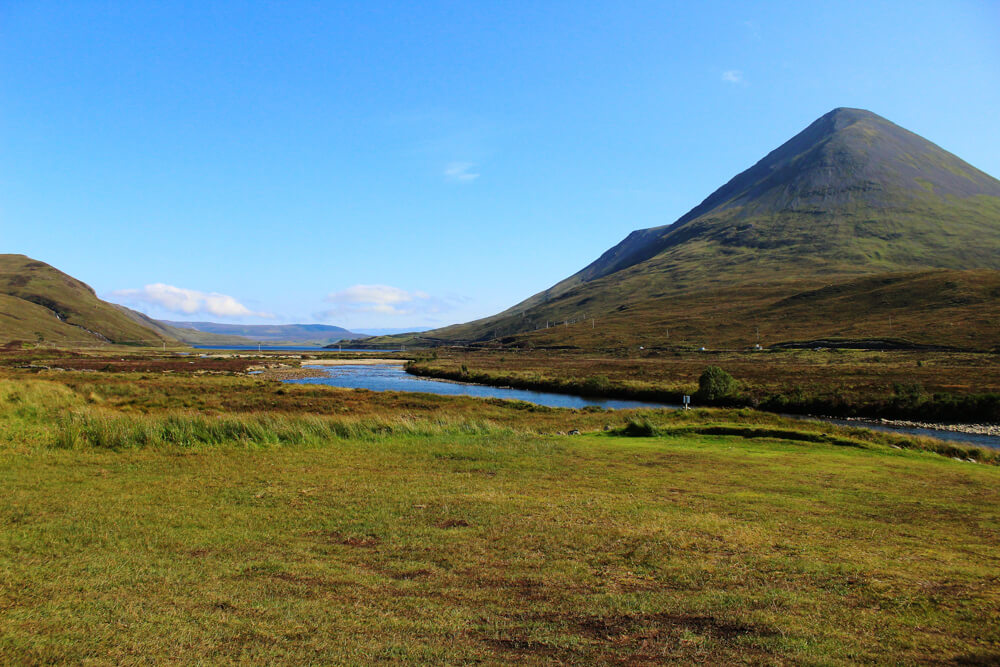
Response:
column 264, row 347
column 392, row 377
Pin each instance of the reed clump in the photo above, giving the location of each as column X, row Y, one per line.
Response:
column 127, row 431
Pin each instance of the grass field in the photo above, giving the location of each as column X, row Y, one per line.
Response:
column 180, row 518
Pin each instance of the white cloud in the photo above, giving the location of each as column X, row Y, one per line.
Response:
column 732, row 76
column 187, row 301
column 460, row 172
column 385, row 300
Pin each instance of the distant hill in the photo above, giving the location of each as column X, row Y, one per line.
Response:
column 318, row 334
column 39, row 303
column 852, row 195
column 188, row 336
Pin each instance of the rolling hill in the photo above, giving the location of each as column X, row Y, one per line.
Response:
column 39, row 303
column 790, row 249
column 300, row 334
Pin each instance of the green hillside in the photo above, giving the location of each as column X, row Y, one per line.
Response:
column 39, row 303
column 852, row 195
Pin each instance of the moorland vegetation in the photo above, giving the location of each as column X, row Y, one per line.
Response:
column 178, row 510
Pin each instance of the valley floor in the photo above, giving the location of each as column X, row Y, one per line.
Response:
column 928, row 386
column 154, row 517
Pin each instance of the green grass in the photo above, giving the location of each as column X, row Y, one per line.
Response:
column 445, row 548
column 271, row 536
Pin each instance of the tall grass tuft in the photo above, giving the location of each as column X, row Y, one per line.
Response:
column 103, row 430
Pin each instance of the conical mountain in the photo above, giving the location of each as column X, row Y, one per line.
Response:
column 851, row 195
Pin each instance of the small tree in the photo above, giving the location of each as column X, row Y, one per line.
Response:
column 715, row 383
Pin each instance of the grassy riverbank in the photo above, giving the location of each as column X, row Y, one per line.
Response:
column 928, row 386
column 136, row 410
column 178, row 516
column 492, row 545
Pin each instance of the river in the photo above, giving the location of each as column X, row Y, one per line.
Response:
column 392, row 377
column 264, row 347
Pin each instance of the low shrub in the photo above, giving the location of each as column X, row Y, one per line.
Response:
column 715, row 384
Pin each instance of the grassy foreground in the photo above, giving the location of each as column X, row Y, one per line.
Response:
column 455, row 541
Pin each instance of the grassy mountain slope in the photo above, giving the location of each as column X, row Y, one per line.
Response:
column 851, row 195
column 947, row 308
column 27, row 321
column 40, row 303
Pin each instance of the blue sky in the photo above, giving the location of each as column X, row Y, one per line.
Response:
column 373, row 164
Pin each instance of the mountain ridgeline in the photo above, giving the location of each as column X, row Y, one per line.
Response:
column 851, row 196
column 302, row 334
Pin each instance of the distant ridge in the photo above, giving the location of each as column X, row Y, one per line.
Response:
column 319, row 334
column 851, row 195
column 40, row 304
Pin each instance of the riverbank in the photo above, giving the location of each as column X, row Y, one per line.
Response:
column 273, row 523
column 972, row 413
column 972, row 429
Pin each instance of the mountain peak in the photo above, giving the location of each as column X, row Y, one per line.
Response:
column 845, row 161
column 849, row 193
column 846, row 115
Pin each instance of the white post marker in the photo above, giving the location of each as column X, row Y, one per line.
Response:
column 687, row 402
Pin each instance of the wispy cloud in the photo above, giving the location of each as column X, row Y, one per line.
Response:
column 733, row 76
column 382, row 299
column 186, row 301
column 385, row 300
column 460, row 172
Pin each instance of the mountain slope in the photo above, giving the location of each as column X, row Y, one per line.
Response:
column 851, row 195
column 39, row 303
column 852, row 191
